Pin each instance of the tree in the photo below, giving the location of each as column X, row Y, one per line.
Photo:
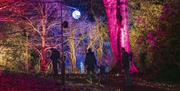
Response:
column 39, row 21
column 36, row 18
column 13, row 47
column 168, row 44
column 144, row 21
column 116, row 11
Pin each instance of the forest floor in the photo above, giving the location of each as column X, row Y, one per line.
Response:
column 39, row 82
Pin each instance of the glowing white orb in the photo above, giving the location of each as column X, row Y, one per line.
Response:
column 76, row 14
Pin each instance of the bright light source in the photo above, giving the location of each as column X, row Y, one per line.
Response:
column 76, row 14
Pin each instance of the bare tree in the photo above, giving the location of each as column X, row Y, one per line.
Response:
column 36, row 18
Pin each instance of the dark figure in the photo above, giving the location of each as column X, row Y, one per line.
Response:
column 55, row 57
column 125, row 62
column 142, row 63
column 63, row 69
column 116, row 69
column 90, row 63
column 130, row 56
column 102, row 69
column 103, row 75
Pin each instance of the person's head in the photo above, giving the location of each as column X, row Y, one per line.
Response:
column 123, row 50
column 89, row 50
column 131, row 54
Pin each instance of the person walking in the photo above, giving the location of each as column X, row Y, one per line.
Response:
column 55, row 57
column 90, row 63
column 126, row 62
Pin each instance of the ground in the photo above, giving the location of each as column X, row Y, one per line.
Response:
column 38, row 82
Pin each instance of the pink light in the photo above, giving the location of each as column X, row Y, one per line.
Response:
column 5, row 19
column 117, row 27
column 124, row 30
column 111, row 12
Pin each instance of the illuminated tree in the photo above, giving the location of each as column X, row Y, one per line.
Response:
column 144, row 21
column 36, row 18
column 117, row 14
column 13, row 55
column 81, row 37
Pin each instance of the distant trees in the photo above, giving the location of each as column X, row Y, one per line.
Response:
column 39, row 24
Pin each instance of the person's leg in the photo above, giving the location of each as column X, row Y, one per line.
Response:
column 88, row 75
column 91, row 75
column 127, row 76
column 55, row 70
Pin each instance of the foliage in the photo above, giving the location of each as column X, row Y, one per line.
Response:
column 168, row 39
column 154, row 28
column 13, row 49
column 144, row 18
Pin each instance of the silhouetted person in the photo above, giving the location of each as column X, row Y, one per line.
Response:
column 125, row 62
column 103, row 75
column 62, row 63
column 102, row 69
column 142, row 62
column 90, row 62
column 55, row 57
column 116, row 68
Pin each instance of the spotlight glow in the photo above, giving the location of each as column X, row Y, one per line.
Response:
column 76, row 14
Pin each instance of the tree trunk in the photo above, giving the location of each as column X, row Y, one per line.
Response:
column 117, row 13
column 113, row 27
column 43, row 66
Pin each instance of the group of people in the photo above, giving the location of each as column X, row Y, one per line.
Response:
column 91, row 63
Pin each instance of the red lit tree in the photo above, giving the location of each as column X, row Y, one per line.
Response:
column 36, row 18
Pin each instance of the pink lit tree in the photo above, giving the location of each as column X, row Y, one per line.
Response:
column 117, row 13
